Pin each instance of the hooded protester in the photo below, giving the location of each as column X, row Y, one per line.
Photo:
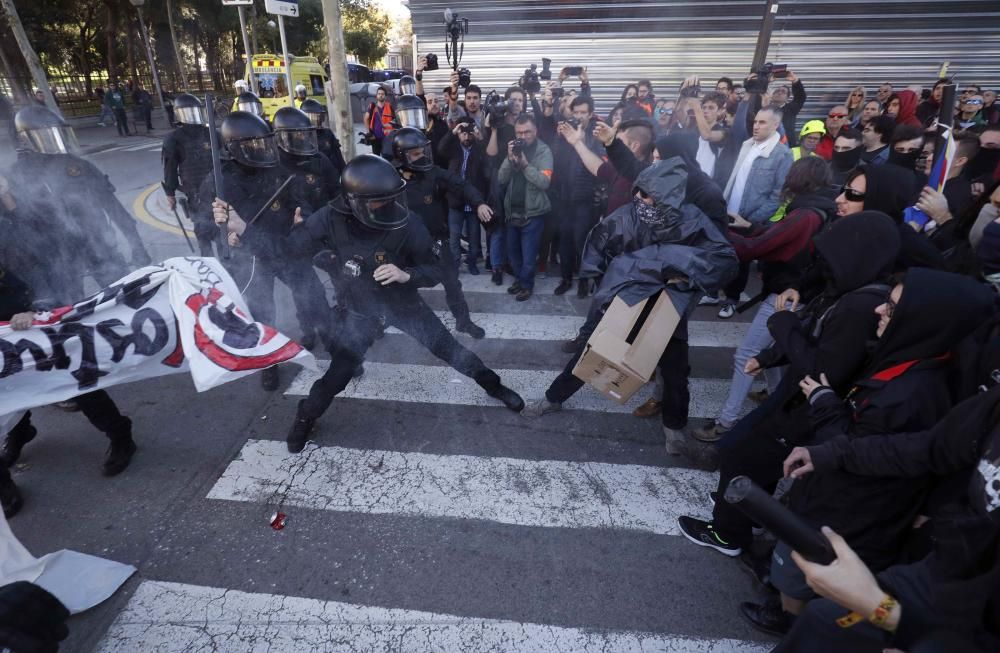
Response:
column 829, row 335
column 951, row 597
column 907, row 114
column 905, row 388
column 890, row 189
column 847, row 150
column 659, row 242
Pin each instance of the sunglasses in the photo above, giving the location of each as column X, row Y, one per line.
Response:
column 974, row 103
column 852, row 195
column 836, row 115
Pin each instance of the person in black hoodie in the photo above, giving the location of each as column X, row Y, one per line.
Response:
column 952, row 595
column 829, row 335
column 890, row 189
column 904, row 388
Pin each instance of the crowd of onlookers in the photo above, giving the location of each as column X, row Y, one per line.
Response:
column 875, row 324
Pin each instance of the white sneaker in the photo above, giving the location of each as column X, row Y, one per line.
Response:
column 727, row 311
column 540, row 407
column 708, row 300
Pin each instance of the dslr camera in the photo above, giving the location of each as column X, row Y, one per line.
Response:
column 496, row 107
column 467, row 128
column 530, row 81
column 691, row 91
column 464, row 77
column 518, row 146
column 573, row 122
column 768, row 70
column 432, row 62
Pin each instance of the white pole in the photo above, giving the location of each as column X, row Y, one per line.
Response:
column 246, row 48
column 338, row 91
column 149, row 55
column 288, row 64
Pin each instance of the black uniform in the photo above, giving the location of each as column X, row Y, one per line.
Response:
column 72, row 205
column 318, row 180
column 187, row 162
column 335, row 238
column 426, row 195
column 329, row 147
column 246, row 190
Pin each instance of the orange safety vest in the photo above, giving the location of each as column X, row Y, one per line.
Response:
column 386, row 117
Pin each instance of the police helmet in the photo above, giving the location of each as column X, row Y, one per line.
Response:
column 248, row 140
column 375, row 192
column 249, row 102
column 407, row 85
column 41, row 130
column 411, row 150
column 189, row 110
column 294, row 132
column 411, row 112
column 300, row 90
column 315, row 111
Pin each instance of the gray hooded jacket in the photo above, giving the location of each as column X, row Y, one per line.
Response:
column 634, row 256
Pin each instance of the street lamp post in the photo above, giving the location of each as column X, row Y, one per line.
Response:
column 149, row 50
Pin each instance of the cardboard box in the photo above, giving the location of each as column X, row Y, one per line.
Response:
column 622, row 353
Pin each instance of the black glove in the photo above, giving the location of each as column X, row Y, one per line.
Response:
column 31, row 619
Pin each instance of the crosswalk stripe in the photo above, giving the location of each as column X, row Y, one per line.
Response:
column 435, row 384
column 545, row 494
column 175, row 617
column 510, row 326
column 482, row 283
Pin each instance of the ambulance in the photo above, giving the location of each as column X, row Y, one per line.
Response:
column 269, row 69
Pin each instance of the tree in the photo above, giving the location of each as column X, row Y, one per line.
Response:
column 366, row 30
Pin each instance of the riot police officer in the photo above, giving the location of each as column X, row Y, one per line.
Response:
column 249, row 102
column 378, row 254
column 329, row 146
column 298, row 150
column 187, row 161
column 251, row 177
column 72, row 204
column 426, row 188
column 301, row 94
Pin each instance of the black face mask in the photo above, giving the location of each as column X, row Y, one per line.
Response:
column 908, row 161
column 847, row 160
column 984, row 163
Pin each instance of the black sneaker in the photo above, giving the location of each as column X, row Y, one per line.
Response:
column 359, row 371
column 298, row 434
column 563, row 287
column 269, row 379
column 15, row 441
column 497, row 278
column 515, row 288
column 768, row 618
column 470, row 327
column 10, row 497
column 703, row 534
column 582, row 288
column 523, row 295
column 118, row 457
column 574, row 345
column 510, row 399
column 759, row 568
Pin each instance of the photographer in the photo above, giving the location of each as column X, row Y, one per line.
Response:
column 789, row 108
column 501, row 120
column 471, row 107
column 465, row 156
column 437, row 128
column 706, row 121
column 526, row 173
column 575, row 192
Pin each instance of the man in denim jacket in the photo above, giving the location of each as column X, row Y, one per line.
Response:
column 752, row 192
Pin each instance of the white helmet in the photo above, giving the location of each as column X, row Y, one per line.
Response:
column 300, row 90
column 241, row 85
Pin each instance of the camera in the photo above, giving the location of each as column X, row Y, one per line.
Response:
column 691, row 91
column 557, row 93
column 518, row 146
column 573, row 122
column 573, row 71
column 366, row 138
column 764, row 75
column 546, row 73
column 464, row 77
column 354, row 267
column 467, row 128
column 496, row 107
column 432, row 62
column 529, row 81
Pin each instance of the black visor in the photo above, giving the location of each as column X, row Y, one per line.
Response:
column 386, row 212
column 418, row 158
column 255, row 152
column 416, row 118
column 297, row 141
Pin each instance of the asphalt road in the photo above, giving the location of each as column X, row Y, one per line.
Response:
column 422, row 518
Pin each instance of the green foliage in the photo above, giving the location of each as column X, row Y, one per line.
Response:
column 366, row 30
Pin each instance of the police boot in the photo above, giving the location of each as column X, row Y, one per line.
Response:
column 10, row 496
column 20, row 435
column 299, row 433
column 466, row 325
column 120, row 451
column 269, row 379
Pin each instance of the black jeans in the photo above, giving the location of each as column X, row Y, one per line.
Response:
column 673, row 366
column 121, row 121
column 97, row 406
column 311, row 307
column 452, row 286
column 351, row 334
column 574, row 224
column 736, row 287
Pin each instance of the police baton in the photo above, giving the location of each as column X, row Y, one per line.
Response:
column 213, row 138
column 271, row 201
column 180, row 224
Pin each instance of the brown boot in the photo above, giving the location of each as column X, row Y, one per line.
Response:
column 651, row 408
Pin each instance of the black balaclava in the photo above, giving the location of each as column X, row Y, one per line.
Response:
column 846, row 161
column 908, row 160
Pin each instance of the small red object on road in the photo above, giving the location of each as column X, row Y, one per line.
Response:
column 278, row 520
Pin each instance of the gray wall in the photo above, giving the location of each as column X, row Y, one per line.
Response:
column 831, row 44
